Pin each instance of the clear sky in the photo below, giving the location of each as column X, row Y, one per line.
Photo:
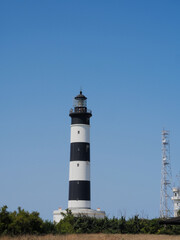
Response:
column 125, row 55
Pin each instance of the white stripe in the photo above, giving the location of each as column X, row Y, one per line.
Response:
column 80, row 133
column 79, row 170
column 79, row 204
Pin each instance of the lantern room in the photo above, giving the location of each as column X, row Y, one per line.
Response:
column 80, row 103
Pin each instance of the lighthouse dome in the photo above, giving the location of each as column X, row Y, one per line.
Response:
column 80, row 96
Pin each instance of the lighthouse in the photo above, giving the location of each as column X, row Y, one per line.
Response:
column 79, row 199
column 79, row 169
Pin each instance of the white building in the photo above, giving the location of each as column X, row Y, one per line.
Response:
column 176, row 200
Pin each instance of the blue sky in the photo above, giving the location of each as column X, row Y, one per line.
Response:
column 125, row 55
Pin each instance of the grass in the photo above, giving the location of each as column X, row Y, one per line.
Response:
column 95, row 237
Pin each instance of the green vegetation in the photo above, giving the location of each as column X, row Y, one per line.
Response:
column 22, row 222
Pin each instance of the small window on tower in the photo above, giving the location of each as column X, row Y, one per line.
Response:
column 77, row 182
column 78, row 132
column 87, row 148
column 78, row 149
column 77, row 164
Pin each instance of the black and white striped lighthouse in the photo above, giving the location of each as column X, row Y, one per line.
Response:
column 79, row 170
column 79, row 201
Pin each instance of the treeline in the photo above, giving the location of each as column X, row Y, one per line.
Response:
column 22, row 222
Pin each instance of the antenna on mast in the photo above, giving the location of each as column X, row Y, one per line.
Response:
column 166, row 178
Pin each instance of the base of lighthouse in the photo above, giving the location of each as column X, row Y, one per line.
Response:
column 58, row 214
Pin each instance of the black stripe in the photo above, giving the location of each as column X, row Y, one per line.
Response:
column 79, row 190
column 80, row 118
column 80, row 151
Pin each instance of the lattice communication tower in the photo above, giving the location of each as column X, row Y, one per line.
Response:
column 166, row 178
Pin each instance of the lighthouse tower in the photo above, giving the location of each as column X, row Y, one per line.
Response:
column 79, row 170
column 79, row 200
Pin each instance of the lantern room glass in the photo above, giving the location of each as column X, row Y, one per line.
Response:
column 80, row 103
